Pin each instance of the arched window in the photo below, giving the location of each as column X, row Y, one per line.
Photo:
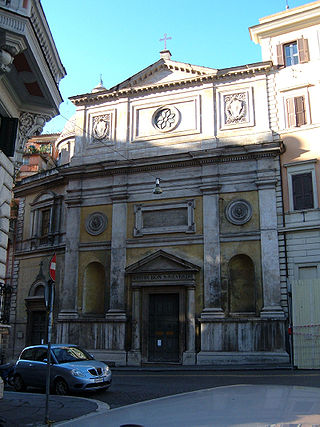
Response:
column 39, row 291
column 242, row 290
column 94, row 289
column 46, row 219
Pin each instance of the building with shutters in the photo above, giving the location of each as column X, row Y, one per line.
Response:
column 30, row 71
column 291, row 40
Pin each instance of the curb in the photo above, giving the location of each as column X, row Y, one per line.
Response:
column 102, row 408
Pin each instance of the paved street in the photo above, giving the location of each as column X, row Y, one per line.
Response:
column 136, row 386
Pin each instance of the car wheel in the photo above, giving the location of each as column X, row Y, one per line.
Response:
column 61, row 387
column 18, row 383
column 11, row 380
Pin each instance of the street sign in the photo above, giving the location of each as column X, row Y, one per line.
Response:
column 52, row 268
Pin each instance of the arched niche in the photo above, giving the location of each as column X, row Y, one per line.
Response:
column 242, row 288
column 94, row 289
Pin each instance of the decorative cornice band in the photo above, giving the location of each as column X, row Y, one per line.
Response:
column 248, row 70
column 132, row 169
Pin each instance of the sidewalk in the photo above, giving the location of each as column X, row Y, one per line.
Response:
column 28, row 409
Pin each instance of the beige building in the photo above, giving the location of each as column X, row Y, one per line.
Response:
column 291, row 40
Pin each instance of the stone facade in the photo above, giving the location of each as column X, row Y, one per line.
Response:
column 187, row 274
column 30, row 71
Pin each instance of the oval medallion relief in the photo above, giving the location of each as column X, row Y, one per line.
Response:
column 96, row 223
column 166, row 118
column 238, row 212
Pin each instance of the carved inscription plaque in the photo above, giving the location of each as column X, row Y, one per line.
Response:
column 165, row 218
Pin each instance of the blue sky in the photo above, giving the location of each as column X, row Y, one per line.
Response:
column 118, row 39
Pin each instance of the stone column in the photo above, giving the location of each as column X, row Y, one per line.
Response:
column 134, row 356
column 269, row 250
column 211, row 254
column 189, row 356
column 116, row 316
column 69, row 309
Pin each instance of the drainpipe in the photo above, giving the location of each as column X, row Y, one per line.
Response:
column 289, row 287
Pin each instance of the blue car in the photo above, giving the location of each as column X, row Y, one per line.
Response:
column 72, row 369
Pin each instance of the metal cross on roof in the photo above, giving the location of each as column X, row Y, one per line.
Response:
column 165, row 38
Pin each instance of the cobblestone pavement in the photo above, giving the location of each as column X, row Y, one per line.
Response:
column 135, row 386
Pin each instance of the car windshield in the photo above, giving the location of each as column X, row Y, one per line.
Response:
column 70, row 354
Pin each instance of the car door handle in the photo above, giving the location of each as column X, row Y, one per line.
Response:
column 30, row 364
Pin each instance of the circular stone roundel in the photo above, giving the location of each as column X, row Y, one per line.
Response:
column 166, row 118
column 96, row 223
column 238, row 212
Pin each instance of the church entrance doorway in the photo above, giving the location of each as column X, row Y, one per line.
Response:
column 163, row 336
column 38, row 327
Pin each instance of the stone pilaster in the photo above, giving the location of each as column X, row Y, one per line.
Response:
column 211, row 255
column 189, row 356
column 118, row 254
column 116, row 317
column 69, row 309
column 134, row 355
column 269, row 250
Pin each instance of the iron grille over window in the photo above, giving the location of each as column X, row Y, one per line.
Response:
column 5, row 298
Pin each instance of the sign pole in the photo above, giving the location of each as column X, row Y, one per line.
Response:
column 49, row 297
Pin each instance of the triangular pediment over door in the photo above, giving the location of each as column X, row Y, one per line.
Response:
column 162, row 268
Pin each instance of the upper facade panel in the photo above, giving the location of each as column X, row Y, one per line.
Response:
column 167, row 108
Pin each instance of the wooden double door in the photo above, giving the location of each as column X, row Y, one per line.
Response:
column 164, row 328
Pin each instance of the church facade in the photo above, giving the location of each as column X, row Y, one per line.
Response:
column 184, row 206
column 164, row 222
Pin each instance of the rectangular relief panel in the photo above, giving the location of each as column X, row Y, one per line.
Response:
column 170, row 118
column 101, row 128
column 236, row 108
column 165, row 218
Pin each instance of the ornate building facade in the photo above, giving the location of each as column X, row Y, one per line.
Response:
column 166, row 212
column 30, row 71
column 185, row 272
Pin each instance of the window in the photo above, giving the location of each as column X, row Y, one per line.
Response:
column 45, row 222
column 28, row 354
column 309, row 272
column 302, row 191
column 296, row 112
column 45, row 219
column 302, row 185
column 291, row 56
column 295, row 52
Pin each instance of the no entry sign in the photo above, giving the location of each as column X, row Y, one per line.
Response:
column 52, row 268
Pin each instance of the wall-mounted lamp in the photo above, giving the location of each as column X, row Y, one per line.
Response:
column 157, row 189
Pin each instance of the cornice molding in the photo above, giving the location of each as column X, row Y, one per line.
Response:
column 243, row 71
column 286, row 21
